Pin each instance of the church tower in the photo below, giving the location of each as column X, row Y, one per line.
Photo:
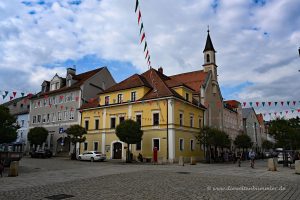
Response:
column 210, row 61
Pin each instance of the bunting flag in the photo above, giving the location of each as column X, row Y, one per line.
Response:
column 244, row 103
column 263, row 104
column 139, row 17
column 143, row 37
column 288, row 103
column 145, row 46
column 136, row 5
column 282, row 103
column 14, row 93
column 294, row 103
column 10, row 98
column 269, row 103
column 146, row 54
column 22, row 94
column 142, row 27
column 250, row 104
column 275, row 103
column 4, row 95
column 257, row 104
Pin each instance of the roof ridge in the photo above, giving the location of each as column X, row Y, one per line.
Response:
column 188, row 73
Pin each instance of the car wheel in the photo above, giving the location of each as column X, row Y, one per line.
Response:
column 92, row 159
column 79, row 158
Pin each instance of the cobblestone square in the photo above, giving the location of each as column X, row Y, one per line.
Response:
column 42, row 179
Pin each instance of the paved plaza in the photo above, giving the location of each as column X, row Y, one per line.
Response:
column 45, row 178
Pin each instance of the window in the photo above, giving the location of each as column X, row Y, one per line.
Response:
column 112, row 122
column 207, row 58
column 69, row 82
column 187, row 96
column 39, row 118
column 86, row 124
column 120, row 98
column 180, row 119
column 96, row 146
column 85, row 146
column 72, row 97
column 65, row 115
column 200, row 122
column 61, row 99
column 56, row 85
column 139, row 119
column 155, row 119
column 21, row 105
column 48, row 117
column 121, row 119
column 191, row 121
column 45, row 102
column 59, row 116
column 34, row 119
column 192, row 145
column 133, row 96
column 71, row 115
column 181, row 144
column 107, row 100
column 138, row 146
column 22, row 123
column 156, row 143
column 96, row 124
column 53, row 117
column 53, row 86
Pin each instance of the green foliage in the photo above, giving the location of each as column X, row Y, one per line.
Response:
column 267, row 145
column 243, row 141
column 76, row 133
column 286, row 132
column 37, row 135
column 213, row 136
column 129, row 132
column 8, row 126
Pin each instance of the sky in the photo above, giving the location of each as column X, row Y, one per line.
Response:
column 256, row 41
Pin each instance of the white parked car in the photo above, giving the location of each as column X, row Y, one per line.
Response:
column 92, row 156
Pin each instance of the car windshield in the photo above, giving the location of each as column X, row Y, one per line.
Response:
column 97, row 152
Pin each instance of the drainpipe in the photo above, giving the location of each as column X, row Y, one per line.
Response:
column 167, row 130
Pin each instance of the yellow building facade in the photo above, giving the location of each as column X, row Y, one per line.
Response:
column 168, row 114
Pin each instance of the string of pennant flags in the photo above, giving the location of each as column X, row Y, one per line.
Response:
column 6, row 94
column 270, row 103
column 282, row 113
column 142, row 33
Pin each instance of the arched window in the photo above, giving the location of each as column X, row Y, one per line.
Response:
column 207, row 58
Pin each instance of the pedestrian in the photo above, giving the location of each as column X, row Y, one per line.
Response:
column 1, row 168
column 252, row 158
column 239, row 158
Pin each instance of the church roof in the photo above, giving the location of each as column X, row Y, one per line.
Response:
column 209, row 45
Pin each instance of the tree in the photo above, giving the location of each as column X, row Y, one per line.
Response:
column 76, row 134
column 8, row 126
column 129, row 132
column 243, row 141
column 37, row 135
column 209, row 137
column 267, row 145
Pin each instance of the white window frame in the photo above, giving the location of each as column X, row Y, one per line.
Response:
column 139, row 113
column 72, row 114
column 87, row 120
column 192, row 147
column 182, row 121
column 94, row 145
column 112, row 116
column 120, row 98
column 87, row 146
column 155, row 112
column 158, row 143
column 135, row 95
column 59, row 116
column 181, row 149
column 192, row 124
column 98, row 123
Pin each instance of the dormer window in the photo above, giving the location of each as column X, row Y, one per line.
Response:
column 69, row 82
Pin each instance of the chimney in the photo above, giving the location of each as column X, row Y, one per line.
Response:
column 161, row 70
column 71, row 71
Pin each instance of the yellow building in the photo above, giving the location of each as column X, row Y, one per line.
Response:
column 168, row 113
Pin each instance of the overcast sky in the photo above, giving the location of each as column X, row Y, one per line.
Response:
column 256, row 41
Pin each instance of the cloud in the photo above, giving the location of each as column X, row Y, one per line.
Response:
column 256, row 41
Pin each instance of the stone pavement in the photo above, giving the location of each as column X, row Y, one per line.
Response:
column 114, row 180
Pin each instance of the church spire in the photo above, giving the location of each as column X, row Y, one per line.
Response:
column 209, row 45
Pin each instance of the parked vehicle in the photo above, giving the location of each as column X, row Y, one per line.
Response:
column 280, row 157
column 41, row 153
column 92, row 156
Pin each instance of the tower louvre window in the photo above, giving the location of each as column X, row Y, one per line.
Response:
column 207, row 58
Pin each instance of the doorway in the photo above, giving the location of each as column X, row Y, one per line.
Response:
column 117, row 150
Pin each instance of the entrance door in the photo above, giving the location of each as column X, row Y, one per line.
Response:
column 117, row 150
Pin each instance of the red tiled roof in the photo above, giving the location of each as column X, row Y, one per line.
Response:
column 192, row 79
column 260, row 118
column 160, row 86
column 93, row 103
column 80, row 78
column 233, row 103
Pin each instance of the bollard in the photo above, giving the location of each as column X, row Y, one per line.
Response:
column 272, row 164
column 14, row 169
column 181, row 161
column 193, row 160
column 297, row 166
